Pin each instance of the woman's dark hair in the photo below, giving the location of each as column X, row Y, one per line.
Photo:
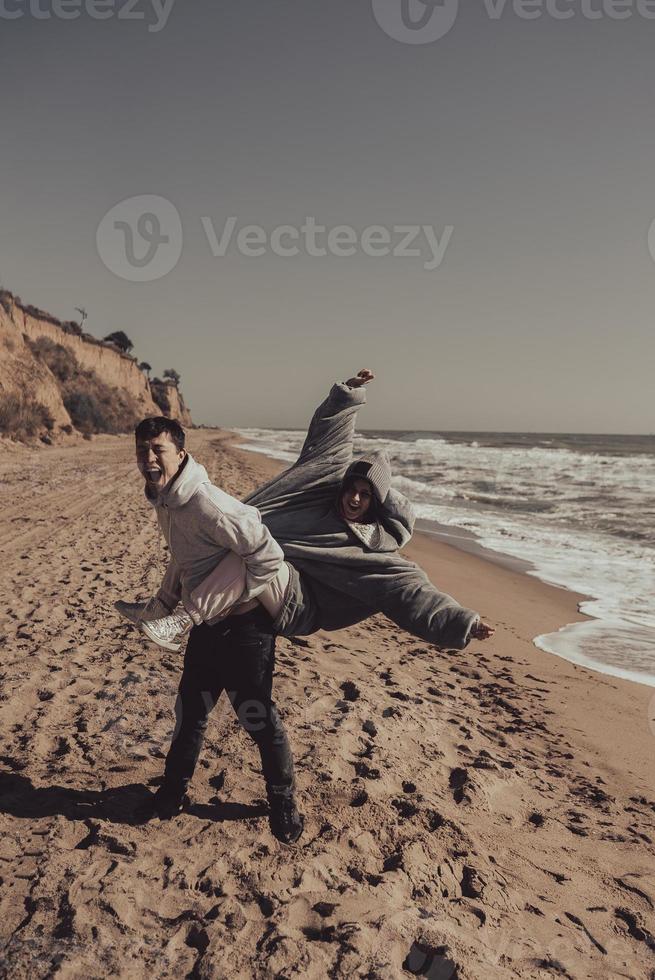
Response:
column 372, row 515
column 154, row 426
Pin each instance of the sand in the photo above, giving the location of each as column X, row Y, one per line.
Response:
column 485, row 814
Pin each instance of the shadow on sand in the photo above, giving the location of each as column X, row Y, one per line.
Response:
column 120, row 804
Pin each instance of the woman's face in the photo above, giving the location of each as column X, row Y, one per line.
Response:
column 356, row 500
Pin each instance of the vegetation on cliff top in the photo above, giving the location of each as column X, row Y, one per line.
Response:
column 118, row 340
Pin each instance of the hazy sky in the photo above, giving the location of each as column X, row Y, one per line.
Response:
column 527, row 146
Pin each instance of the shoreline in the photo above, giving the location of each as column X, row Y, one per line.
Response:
column 463, row 540
column 466, row 542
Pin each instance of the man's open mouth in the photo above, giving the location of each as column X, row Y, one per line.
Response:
column 153, row 475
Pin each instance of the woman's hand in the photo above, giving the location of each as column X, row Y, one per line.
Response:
column 482, row 630
column 363, row 377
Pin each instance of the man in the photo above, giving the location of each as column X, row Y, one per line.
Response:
column 202, row 524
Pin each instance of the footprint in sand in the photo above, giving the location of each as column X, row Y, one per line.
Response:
column 405, row 808
column 635, row 927
column 350, row 691
column 427, row 960
column 360, row 798
column 458, row 779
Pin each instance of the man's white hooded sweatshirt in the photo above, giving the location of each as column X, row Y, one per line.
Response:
column 201, row 525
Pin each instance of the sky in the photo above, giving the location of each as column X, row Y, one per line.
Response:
column 484, row 179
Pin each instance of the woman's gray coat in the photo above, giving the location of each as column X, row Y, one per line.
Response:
column 336, row 580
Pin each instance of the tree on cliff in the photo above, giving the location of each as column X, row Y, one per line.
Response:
column 144, row 366
column 172, row 376
column 120, row 340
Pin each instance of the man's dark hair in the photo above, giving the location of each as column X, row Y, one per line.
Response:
column 152, row 427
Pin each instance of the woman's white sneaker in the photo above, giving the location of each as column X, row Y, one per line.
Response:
column 169, row 631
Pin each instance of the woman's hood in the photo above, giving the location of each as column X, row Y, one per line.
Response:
column 374, row 467
column 395, row 513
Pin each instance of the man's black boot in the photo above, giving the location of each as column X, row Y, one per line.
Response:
column 286, row 822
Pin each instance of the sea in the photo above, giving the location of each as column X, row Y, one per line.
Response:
column 577, row 511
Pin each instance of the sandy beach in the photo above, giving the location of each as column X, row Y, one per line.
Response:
column 484, row 814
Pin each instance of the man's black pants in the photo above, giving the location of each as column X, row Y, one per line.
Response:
column 236, row 656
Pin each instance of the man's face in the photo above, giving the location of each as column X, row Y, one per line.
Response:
column 158, row 460
column 356, row 500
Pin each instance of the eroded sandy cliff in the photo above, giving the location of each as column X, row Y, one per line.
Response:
column 56, row 381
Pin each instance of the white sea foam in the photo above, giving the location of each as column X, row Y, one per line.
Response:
column 276, row 443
